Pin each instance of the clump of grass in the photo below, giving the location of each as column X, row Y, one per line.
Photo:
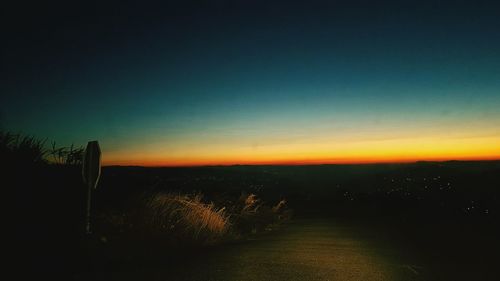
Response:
column 21, row 149
column 182, row 220
column 251, row 215
column 18, row 149
column 71, row 155
column 251, row 203
column 187, row 218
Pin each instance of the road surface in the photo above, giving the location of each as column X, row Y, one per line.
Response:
column 304, row 250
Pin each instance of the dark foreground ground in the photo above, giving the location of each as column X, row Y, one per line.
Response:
column 419, row 221
column 326, row 249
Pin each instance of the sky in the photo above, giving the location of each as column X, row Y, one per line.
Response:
column 256, row 82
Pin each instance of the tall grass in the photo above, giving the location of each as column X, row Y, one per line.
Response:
column 71, row 155
column 187, row 217
column 251, row 215
column 182, row 220
column 19, row 149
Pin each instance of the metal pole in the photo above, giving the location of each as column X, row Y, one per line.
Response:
column 91, row 171
column 89, row 194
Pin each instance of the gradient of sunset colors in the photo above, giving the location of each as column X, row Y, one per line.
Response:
column 260, row 83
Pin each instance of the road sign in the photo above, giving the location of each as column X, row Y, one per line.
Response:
column 91, row 171
column 92, row 164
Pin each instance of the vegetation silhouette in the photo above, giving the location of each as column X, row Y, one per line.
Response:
column 49, row 203
column 446, row 213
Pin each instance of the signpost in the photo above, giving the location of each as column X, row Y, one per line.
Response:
column 91, row 171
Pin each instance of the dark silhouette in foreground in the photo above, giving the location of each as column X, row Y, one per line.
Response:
column 418, row 221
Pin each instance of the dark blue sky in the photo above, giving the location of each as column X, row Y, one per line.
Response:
column 253, row 74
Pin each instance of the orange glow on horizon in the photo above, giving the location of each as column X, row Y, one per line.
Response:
column 314, row 153
column 296, row 162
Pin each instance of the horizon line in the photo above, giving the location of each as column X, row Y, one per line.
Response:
column 305, row 163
